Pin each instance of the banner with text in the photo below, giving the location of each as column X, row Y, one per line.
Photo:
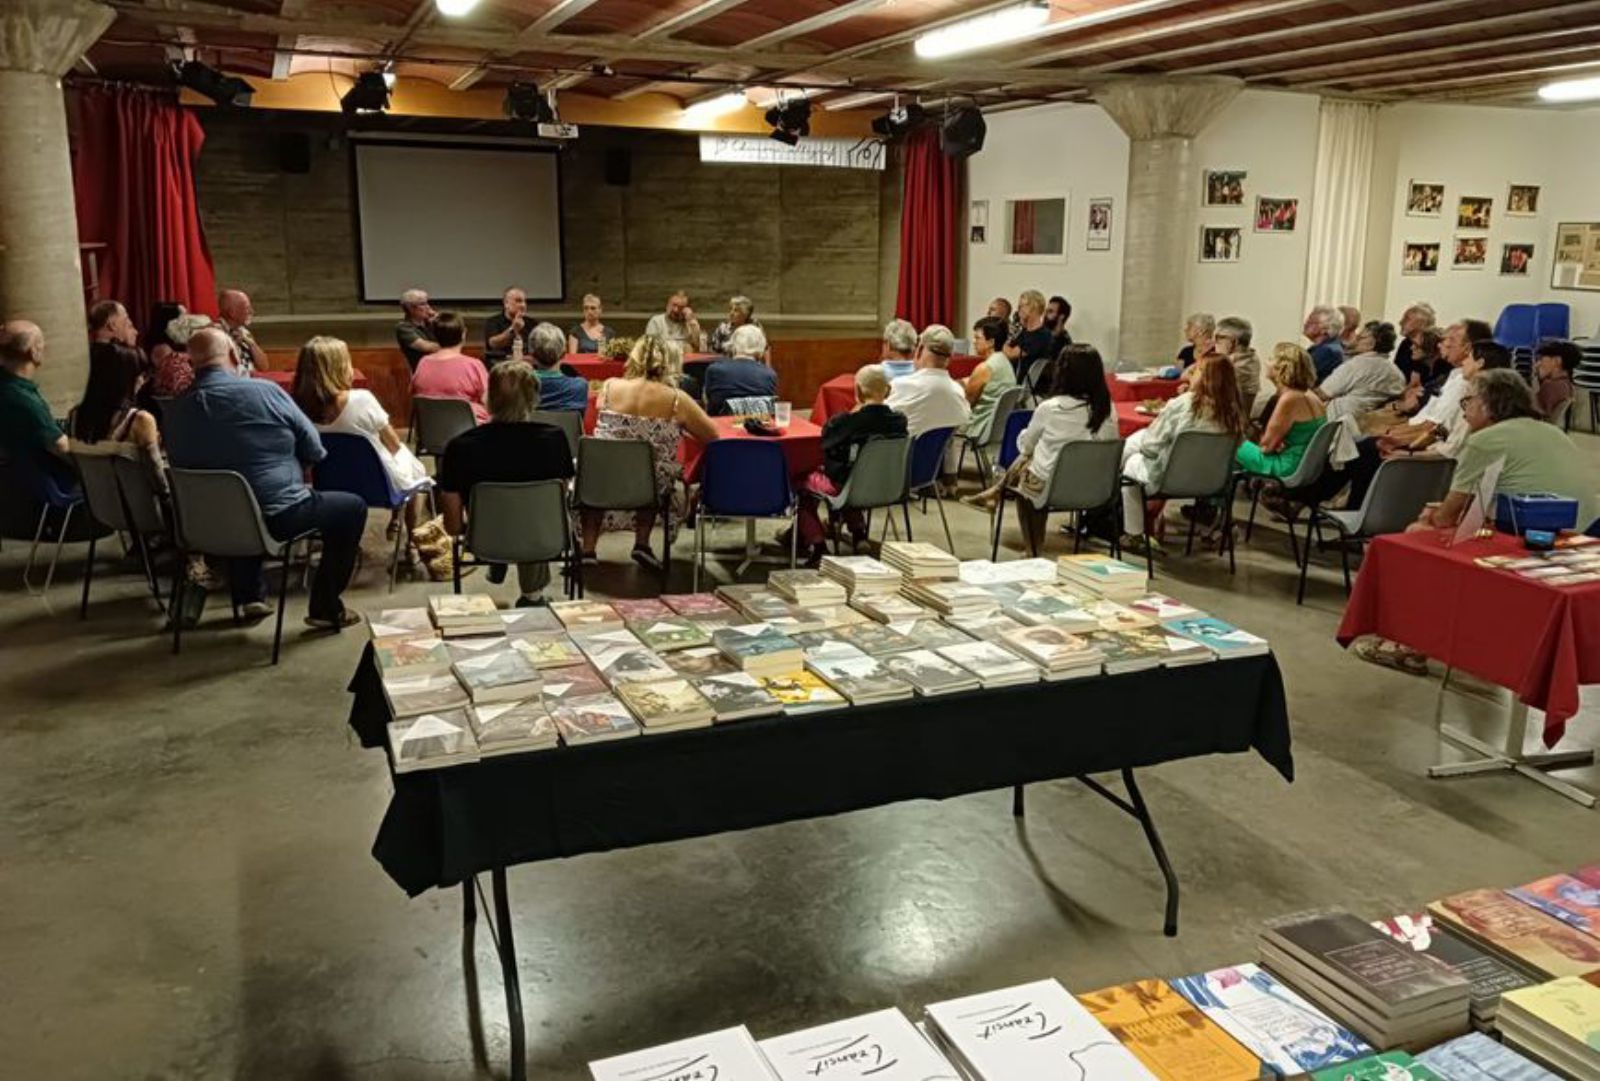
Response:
column 833, row 153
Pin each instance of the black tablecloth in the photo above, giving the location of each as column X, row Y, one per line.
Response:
column 445, row 825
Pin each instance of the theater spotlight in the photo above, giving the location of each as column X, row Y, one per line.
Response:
column 370, row 94
column 525, row 101
column 899, row 120
column 790, row 120
column 229, row 90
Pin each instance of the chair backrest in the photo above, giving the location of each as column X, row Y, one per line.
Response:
column 1035, row 370
column 439, row 420
column 927, row 457
column 100, row 491
column 745, row 478
column 216, row 514
column 352, row 465
column 1315, row 461
column 878, row 475
column 1552, row 319
column 1016, row 423
column 1088, row 475
column 1399, row 491
column 570, row 422
column 1516, row 326
column 140, row 496
column 616, row 474
column 1008, row 402
column 524, row 522
column 1563, row 412
column 1201, row 464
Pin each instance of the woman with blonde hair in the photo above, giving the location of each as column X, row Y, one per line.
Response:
column 1296, row 415
column 590, row 334
column 646, row 404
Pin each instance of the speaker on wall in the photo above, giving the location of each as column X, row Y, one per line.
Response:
column 963, row 131
column 619, row 167
column 294, row 152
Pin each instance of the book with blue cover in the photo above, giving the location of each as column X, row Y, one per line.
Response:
column 1573, row 901
column 1223, row 639
column 1477, row 1057
column 1289, row 1035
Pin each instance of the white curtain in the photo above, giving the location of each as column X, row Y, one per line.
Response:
column 1340, row 195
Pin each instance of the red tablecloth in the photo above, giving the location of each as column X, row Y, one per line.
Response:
column 801, row 443
column 1539, row 641
column 591, row 366
column 837, row 395
column 1129, row 419
column 1125, row 390
column 285, row 379
column 962, row 365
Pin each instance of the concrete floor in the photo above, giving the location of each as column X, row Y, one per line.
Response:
column 186, row 889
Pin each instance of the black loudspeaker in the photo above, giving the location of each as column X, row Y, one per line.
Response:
column 619, row 167
column 294, row 152
column 963, row 131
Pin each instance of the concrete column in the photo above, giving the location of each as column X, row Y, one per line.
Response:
column 1161, row 118
column 40, row 275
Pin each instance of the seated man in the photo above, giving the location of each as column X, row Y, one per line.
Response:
column 505, row 333
column 899, row 353
column 1366, row 380
column 28, row 429
column 928, row 397
column 1198, row 330
column 1322, row 328
column 252, row 427
column 510, row 448
column 842, row 438
column 557, row 392
column 414, row 332
column 235, row 313
column 677, row 324
column 450, row 373
column 1553, row 364
column 1232, row 339
column 743, row 375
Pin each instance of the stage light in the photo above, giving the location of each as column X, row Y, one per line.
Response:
column 229, row 90
column 1571, row 90
column 525, row 101
column 790, row 120
column 899, row 120
column 711, row 108
column 455, row 7
column 984, row 31
column 370, row 94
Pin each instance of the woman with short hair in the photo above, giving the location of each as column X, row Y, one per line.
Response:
column 450, row 373
column 589, row 335
column 1296, row 415
column 741, row 313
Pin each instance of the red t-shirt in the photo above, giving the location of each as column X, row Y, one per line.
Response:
column 453, row 374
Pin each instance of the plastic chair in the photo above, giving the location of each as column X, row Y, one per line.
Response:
column 119, row 511
column 620, row 474
column 743, row 479
column 521, row 522
column 216, row 514
column 1301, row 486
column 1401, row 488
column 1200, row 467
column 992, row 436
column 353, row 466
column 53, row 497
column 570, row 422
column 1016, row 424
column 1087, row 477
column 922, row 474
column 877, row 479
column 436, row 421
column 1031, row 378
column 1517, row 326
column 1562, row 417
column 1552, row 319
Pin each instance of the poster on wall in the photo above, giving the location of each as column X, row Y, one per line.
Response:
column 1099, row 225
column 1274, row 215
column 1224, row 187
column 1473, row 212
column 1419, row 257
column 1522, row 201
column 1424, row 199
column 978, row 222
column 1514, row 260
column 1469, row 253
column 1577, row 262
column 1220, row 243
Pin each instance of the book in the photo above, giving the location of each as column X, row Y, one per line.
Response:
column 411, row 696
column 882, row 1046
column 503, row 675
column 537, row 619
column 828, row 616
column 1571, row 900
column 930, row 674
column 432, row 740
column 1160, row 607
column 861, row 574
column 1477, row 1057
column 874, row 639
column 994, row 665
column 585, row 615
column 860, row 678
column 981, row 572
column 930, row 633
column 459, row 614
column 1112, row 616
column 1557, row 1022
column 595, row 719
column 802, row 692
column 548, row 649
column 1128, row 651
column 1290, row 1036
column 401, row 623
column 728, row 1055
column 698, row 662
column 806, row 587
column 1223, row 639
column 666, row 705
column 887, row 607
column 630, row 664
column 1044, row 604
column 1488, row 976
column 1169, row 1035
column 512, row 727
column 1388, row 1066
column 756, row 601
column 759, row 648
column 1519, row 933
column 1106, row 576
column 917, row 559
column 595, row 640
column 1177, row 651
column 459, row 649
column 1055, row 650
column 735, row 696
column 695, row 604
column 667, row 633
column 984, row 628
column 410, row 656
column 951, row 598
column 640, row 608
column 569, row 682
column 1036, row 1030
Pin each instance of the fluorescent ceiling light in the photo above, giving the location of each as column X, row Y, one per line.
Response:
column 710, row 108
column 1571, row 90
column 455, row 7
column 984, row 31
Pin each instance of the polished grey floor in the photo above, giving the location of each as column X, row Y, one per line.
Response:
column 186, row 889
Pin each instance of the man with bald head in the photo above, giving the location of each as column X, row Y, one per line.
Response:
column 252, row 427
column 28, row 430
column 234, row 314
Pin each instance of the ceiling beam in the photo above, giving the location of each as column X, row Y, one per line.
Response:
column 1407, row 78
column 1412, row 56
column 283, row 58
column 469, row 78
column 1177, row 26
column 707, row 9
column 828, row 18
column 563, row 11
column 1521, row 74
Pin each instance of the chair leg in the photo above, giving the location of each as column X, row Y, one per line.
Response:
column 1344, row 561
column 1149, row 541
column 283, row 601
column 999, row 517
column 143, row 546
column 455, row 564
column 1255, row 498
column 699, row 547
column 949, row 538
column 88, row 576
column 1227, row 528
column 985, row 467
column 175, row 606
column 1188, row 544
column 400, row 537
column 961, row 459
column 1305, row 565
column 905, row 508
column 38, row 535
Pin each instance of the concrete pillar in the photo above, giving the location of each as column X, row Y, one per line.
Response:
column 40, row 275
column 1161, row 118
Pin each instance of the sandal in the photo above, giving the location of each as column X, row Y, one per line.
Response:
column 1389, row 654
column 646, row 558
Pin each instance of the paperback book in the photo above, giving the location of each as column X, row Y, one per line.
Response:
column 982, row 572
column 759, row 648
column 887, row 607
column 1112, row 616
column 874, row 639
column 806, row 587
column 399, row 657
column 696, row 604
column 1519, row 933
column 667, row 633
column 917, row 559
column 1059, row 653
column 984, row 628
column 1036, row 1030
column 595, row 719
column 1477, row 1057
column 860, row 678
column 1223, row 639
column 698, row 662
column 1557, row 1022
column 1290, row 1036
column 630, row 664
column 667, row 705
column 1388, row 1066
column 585, row 615
column 755, row 601
column 503, row 675
column 951, row 598
column 569, row 682
column 535, row 620
column 880, row 1046
column 802, row 692
column 459, row 649
column 728, row 1055
column 512, row 728
column 861, row 574
column 1106, row 576
column 634, row 609
column 1489, row 976
column 1041, row 605
column 994, row 665
column 1128, row 651
column 1160, row 607
column 735, row 696
column 411, row 696
column 401, row 623
column 1167, row 1033
column 931, row 633
column 1571, row 900
column 930, row 674
column 432, row 740
column 548, row 649
column 461, row 614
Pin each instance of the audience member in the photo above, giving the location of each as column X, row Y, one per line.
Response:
column 505, row 333
column 450, row 373
column 1554, row 361
column 1296, row 415
column 173, row 374
column 414, row 331
column 1415, row 321
column 511, row 448
column 1351, row 318
column 1367, row 380
column 990, row 379
column 28, row 429
column 743, row 374
column 1322, row 329
column 156, row 339
column 677, row 325
column 251, row 427
column 842, row 438
column 1057, row 311
column 899, row 351
column 646, row 404
column 557, row 392
column 999, row 308
column 1430, row 418
column 928, row 397
column 1425, row 365
column 741, row 312
column 1232, row 339
column 1031, row 341
column 590, row 334
column 108, row 419
column 1198, row 330
column 234, row 315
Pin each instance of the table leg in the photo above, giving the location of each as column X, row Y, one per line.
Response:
column 1134, row 805
column 1017, row 808
column 1510, row 756
column 505, row 944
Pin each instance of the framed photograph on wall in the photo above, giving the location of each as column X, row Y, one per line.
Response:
column 1522, row 201
column 1515, row 260
column 1274, row 215
column 1220, row 243
column 1424, row 199
column 1419, row 257
column 1099, row 225
column 1577, row 261
column 1474, row 212
column 978, row 222
column 1469, row 253
column 1223, row 187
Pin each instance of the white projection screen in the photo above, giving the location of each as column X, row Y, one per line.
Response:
column 461, row 221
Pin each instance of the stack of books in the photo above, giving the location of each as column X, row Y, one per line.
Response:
column 951, row 599
column 570, row 682
column 460, row 614
column 802, row 692
column 930, row 633
column 1103, row 575
column 1061, row 654
column 735, row 696
column 696, row 604
column 1557, row 1023
column 431, row 740
column 1488, row 976
column 633, row 609
column 993, row 665
column 1519, row 934
column 585, row 616
column 1477, row 1057
column 860, row 678
column 728, row 1055
column 401, row 623
column 760, row 649
column 1390, row 994
column 883, row 1046
column 1291, row 1037
column 887, row 607
column 861, row 575
column 412, row 696
column 1128, row 651
column 1176, row 650
column 1111, row 616
column 512, row 728
column 806, row 588
column 1041, row 604
column 501, row 675
column 619, row 664
column 1223, row 639
column 1569, row 898
column 548, row 649
column 915, row 559
column 398, row 658
column 697, row 662
column 874, row 639
column 667, row 705
column 519, row 621
column 669, row 632
column 595, row 719
column 1160, row 607
column 981, row 572
column 756, row 601
column 1034, row 1031
column 930, row 674
column 1169, row 1035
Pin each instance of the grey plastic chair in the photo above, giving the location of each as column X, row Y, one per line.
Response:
column 523, row 522
column 1301, row 487
column 436, row 421
column 1087, row 477
column 1562, row 418
column 1399, row 491
column 877, row 479
column 988, row 441
column 620, row 474
column 216, row 514
column 1200, row 467
column 568, row 420
column 1031, row 378
column 133, row 512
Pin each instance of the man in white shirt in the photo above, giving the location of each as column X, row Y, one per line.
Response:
column 899, row 353
column 677, row 324
column 1368, row 378
column 928, row 397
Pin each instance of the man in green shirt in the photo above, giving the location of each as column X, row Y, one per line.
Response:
column 28, row 430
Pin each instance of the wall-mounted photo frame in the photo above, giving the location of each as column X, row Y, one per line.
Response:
column 1577, row 261
column 1033, row 228
column 1275, row 215
column 1469, row 253
column 1522, row 201
column 1223, row 187
column 1424, row 199
column 1220, row 243
column 1099, row 235
column 978, row 222
column 1419, row 257
column 1474, row 212
column 1515, row 259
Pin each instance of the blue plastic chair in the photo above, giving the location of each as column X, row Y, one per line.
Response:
column 1552, row 320
column 922, row 473
column 1015, row 425
column 353, row 466
column 1517, row 326
column 744, row 479
column 36, row 486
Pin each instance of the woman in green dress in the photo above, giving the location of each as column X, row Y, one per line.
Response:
column 1296, row 416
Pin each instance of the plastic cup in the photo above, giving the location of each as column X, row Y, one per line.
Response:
column 780, row 414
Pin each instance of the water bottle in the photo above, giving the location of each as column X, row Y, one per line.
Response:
column 516, row 345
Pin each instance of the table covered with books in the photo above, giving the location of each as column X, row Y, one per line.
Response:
column 1467, row 606
column 1140, row 387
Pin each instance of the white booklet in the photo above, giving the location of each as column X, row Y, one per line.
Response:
column 883, row 1046
column 728, row 1055
column 1036, row 1030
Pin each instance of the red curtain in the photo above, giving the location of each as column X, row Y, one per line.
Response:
column 1022, row 225
column 133, row 165
column 929, row 220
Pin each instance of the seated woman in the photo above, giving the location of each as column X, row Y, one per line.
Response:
column 324, row 379
column 842, row 438
column 171, row 373
column 744, row 375
column 108, row 419
column 646, row 404
column 1296, row 415
column 557, row 392
column 993, row 376
column 741, row 313
column 1211, row 404
column 591, row 334
column 450, row 373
